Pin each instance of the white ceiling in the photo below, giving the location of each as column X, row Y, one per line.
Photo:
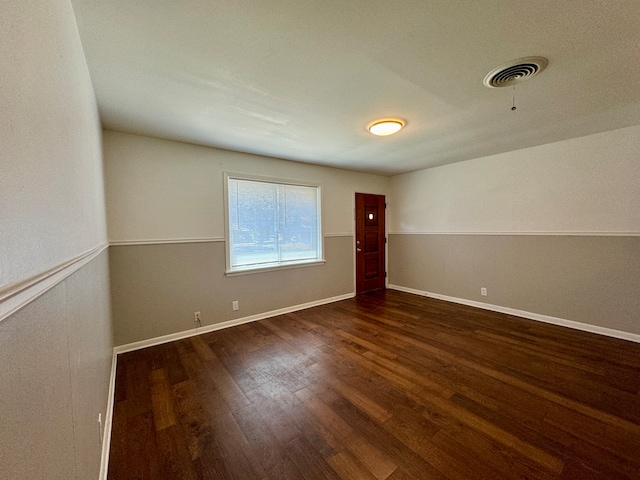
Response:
column 300, row 79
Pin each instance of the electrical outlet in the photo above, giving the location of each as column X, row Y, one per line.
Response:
column 483, row 291
column 196, row 317
column 235, row 305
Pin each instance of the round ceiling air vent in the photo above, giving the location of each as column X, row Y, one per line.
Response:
column 516, row 70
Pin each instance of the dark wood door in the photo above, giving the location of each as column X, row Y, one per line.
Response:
column 370, row 244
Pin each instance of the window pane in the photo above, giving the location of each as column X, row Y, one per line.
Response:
column 271, row 223
column 252, row 223
column 299, row 239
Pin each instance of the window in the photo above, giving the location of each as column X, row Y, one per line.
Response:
column 271, row 223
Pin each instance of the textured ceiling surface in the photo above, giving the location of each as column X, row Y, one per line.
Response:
column 299, row 79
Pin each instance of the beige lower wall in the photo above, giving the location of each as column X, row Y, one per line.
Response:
column 56, row 358
column 156, row 288
column 588, row 279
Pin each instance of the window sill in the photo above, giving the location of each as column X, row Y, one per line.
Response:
column 286, row 266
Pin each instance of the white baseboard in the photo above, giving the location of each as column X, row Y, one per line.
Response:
column 609, row 332
column 229, row 323
column 108, row 419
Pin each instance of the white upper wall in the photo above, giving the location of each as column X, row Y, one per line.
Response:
column 51, row 181
column 164, row 190
column 583, row 185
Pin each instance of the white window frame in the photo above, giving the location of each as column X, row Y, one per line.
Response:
column 229, row 271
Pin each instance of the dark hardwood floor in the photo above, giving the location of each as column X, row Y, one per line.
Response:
column 387, row 385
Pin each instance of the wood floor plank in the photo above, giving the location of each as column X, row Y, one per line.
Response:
column 382, row 352
column 378, row 463
column 517, row 382
column 333, row 423
column 348, row 467
column 283, row 334
column 229, row 447
column 620, row 376
column 162, row 400
column 226, row 385
column 119, row 446
column 276, row 418
column 385, row 386
column 192, row 417
column 411, row 463
column 142, row 457
column 175, row 459
column 554, row 377
column 474, row 445
column 618, row 441
column 361, row 400
column 266, row 446
column 308, row 460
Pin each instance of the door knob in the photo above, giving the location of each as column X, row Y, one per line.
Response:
column 358, row 249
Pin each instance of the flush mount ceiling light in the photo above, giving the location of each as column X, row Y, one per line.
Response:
column 386, row 126
column 518, row 70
